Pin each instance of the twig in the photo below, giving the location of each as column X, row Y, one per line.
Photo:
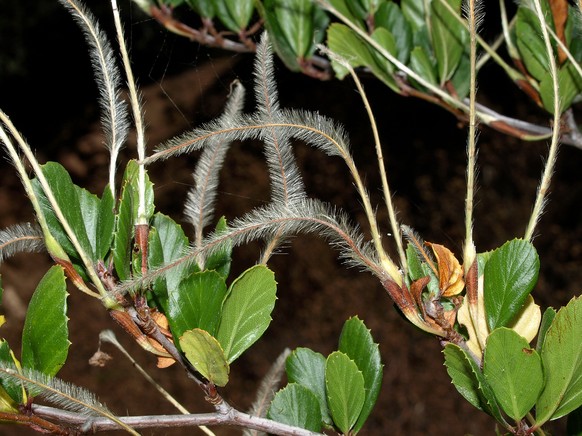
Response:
column 229, row 417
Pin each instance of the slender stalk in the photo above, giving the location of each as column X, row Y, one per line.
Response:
column 89, row 267
column 381, row 166
column 137, row 115
column 469, row 247
column 549, row 168
column 109, row 336
column 230, row 417
column 402, row 67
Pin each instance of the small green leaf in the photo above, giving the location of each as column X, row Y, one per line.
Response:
column 545, row 324
column 514, row 372
column 449, row 38
column 530, row 43
column 421, row 63
column 7, row 359
column 169, row 244
column 510, row 275
column 345, row 42
column 45, row 342
column 234, row 14
column 345, row 390
column 295, row 18
column 220, row 260
column 127, row 218
column 205, row 354
column 123, row 234
column 66, row 196
column 357, row 343
column 461, row 372
column 414, row 12
column 470, row 381
column 343, row 7
column 461, row 79
column 105, row 224
column 246, row 313
column 204, row 8
column 562, row 360
column 196, row 303
column 570, row 85
column 307, row 368
column 296, row 405
column 389, row 16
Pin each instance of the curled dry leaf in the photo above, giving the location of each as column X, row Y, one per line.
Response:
column 450, row 273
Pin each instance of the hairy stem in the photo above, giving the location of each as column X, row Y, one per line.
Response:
column 549, row 168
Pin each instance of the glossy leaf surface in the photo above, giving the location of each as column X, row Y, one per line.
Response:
column 514, row 372
column 357, row 343
column 246, row 313
column 510, row 274
column 345, row 390
column 307, row 368
column 45, row 342
column 205, row 353
column 196, row 303
column 562, row 359
column 296, row 405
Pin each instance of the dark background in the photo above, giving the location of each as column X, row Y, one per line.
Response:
column 46, row 87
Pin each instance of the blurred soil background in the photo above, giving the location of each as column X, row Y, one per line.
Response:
column 46, row 87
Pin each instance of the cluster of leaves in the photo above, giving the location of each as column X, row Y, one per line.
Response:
column 338, row 391
column 416, row 47
column 171, row 294
column 496, row 369
column 177, row 305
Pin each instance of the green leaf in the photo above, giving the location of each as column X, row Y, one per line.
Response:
column 530, row 43
column 221, row 259
column 514, row 372
column 7, row 359
column 127, row 218
column 204, row 8
column 277, row 35
column 343, row 7
column 357, row 343
column 67, row 197
column 234, row 14
column 105, row 224
column 45, row 342
column 470, row 381
column 390, row 17
column 461, row 79
column 196, row 303
column 562, row 360
column 345, row 42
column 295, row 19
column 345, row 390
column 246, row 313
column 547, row 320
column 297, row 406
column 168, row 244
column 414, row 12
column 205, row 354
column 307, row 368
column 510, row 275
column 421, row 63
column 570, row 85
column 449, row 38
column 461, row 372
